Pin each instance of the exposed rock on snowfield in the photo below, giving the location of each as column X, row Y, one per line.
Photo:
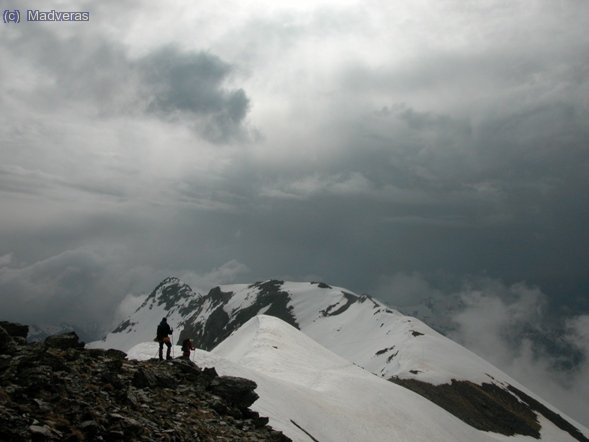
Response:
column 489, row 407
column 58, row 390
column 210, row 331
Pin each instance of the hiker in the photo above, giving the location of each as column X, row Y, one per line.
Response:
column 163, row 332
column 186, row 347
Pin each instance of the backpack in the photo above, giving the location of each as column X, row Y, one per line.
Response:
column 161, row 332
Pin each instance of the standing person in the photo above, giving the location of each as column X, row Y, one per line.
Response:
column 163, row 332
column 186, row 347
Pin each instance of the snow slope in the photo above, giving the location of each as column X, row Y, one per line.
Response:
column 307, row 390
column 358, row 328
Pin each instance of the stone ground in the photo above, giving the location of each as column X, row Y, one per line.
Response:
column 58, row 390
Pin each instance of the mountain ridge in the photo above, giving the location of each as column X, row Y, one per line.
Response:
column 365, row 331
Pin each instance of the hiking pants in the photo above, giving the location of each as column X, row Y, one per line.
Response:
column 166, row 341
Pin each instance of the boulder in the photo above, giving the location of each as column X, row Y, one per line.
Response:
column 144, row 379
column 64, row 341
column 14, row 329
column 237, row 391
column 7, row 344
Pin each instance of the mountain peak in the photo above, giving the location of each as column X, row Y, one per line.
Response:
column 169, row 293
column 171, row 280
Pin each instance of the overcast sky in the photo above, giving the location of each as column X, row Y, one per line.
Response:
column 365, row 143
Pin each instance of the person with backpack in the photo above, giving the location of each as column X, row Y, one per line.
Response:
column 163, row 337
column 186, row 347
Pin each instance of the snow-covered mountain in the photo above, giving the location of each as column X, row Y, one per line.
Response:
column 172, row 299
column 299, row 380
column 358, row 329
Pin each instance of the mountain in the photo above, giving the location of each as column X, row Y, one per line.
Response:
column 172, row 299
column 299, row 380
column 360, row 329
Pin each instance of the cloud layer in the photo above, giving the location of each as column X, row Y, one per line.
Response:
column 514, row 327
column 514, row 336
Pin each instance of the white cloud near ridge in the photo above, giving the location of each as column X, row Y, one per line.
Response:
column 512, row 327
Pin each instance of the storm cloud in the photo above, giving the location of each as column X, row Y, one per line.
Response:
column 104, row 80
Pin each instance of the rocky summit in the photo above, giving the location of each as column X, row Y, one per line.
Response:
column 59, row 390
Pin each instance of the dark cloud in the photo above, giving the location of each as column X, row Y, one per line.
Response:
column 189, row 82
column 192, row 83
column 73, row 287
column 478, row 180
column 177, row 85
column 85, row 288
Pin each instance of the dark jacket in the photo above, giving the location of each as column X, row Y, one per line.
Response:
column 187, row 346
column 163, row 330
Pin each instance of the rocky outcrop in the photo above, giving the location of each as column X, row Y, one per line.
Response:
column 15, row 330
column 64, row 341
column 218, row 325
column 7, row 343
column 58, row 390
column 489, row 407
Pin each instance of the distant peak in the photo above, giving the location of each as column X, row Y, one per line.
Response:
column 171, row 280
column 269, row 283
column 169, row 292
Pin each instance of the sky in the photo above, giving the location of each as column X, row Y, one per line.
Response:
column 404, row 149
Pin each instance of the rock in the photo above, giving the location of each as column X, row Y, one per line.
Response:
column 44, row 431
column 59, row 390
column 7, row 344
column 43, row 406
column 14, row 329
column 90, row 428
column 114, row 364
column 208, row 374
column 144, row 379
column 19, row 340
column 49, row 359
column 261, row 422
column 64, row 341
column 189, row 369
column 116, row 354
column 166, row 381
column 4, row 361
column 128, row 424
column 115, row 435
column 237, row 391
column 278, row 436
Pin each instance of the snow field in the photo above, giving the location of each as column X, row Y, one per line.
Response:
column 333, row 400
